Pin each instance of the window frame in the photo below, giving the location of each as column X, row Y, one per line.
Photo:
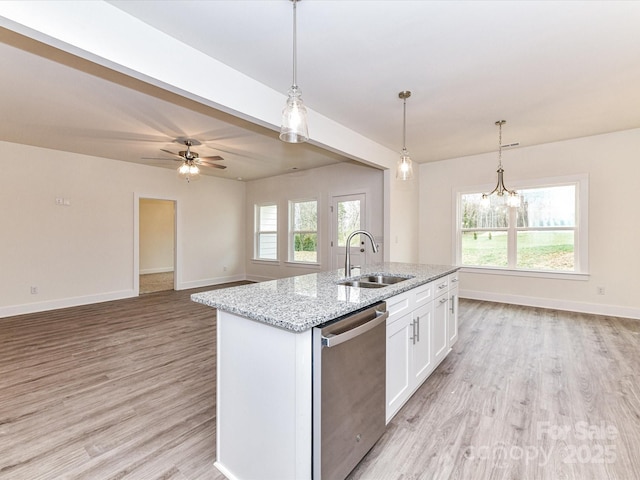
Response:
column 581, row 229
column 292, row 232
column 258, row 232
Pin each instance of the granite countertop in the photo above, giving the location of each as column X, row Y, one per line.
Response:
column 305, row 301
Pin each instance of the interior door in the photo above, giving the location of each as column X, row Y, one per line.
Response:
column 348, row 215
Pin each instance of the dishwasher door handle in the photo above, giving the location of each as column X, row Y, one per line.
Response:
column 333, row 340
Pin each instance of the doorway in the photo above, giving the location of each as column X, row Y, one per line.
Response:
column 157, row 245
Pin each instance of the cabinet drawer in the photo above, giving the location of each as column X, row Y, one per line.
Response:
column 423, row 294
column 398, row 306
column 453, row 280
column 440, row 285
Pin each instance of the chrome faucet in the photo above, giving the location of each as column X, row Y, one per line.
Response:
column 347, row 257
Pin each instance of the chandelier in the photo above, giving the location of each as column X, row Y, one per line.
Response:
column 513, row 199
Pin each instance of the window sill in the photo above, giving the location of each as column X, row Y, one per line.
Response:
column 527, row 273
column 264, row 261
column 303, row 265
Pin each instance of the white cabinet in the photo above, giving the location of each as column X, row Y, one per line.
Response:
column 452, row 318
column 409, row 359
column 421, row 328
column 399, row 350
column 440, row 339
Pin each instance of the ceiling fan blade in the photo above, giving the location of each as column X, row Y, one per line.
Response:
column 160, row 158
column 212, row 158
column 213, row 165
column 170, row 153
column 206, row 162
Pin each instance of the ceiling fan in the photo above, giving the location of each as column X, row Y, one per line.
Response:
column 191, row 161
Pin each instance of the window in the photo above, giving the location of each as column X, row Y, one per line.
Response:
column 266, row 232
column 303, row 231
column 546, row 233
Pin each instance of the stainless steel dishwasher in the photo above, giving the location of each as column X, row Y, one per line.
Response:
column 349, row 375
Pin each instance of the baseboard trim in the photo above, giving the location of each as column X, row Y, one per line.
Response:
column 258, row 278
column 208, row 282
column 148, row 271
column 568, row 305
column 12, row 310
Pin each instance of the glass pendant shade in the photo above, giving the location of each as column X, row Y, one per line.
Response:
column 294, row 119
column 404, row 169
column 189, row 171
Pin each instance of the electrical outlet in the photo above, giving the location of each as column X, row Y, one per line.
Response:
column 34, row 290
column 59, row 201
column 224, row 269
column 600, row 290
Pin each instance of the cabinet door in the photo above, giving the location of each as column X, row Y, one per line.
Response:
column 452, row 320
column 422, row 358
column 399, row 379
column 439, row 333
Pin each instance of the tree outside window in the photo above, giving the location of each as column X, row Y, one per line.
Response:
column 304, row 231
column 540, row 235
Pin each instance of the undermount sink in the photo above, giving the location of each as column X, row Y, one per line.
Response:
column 373, row 281
column 384, row 279
column 361, row 284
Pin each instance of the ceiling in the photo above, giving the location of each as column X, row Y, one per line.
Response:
column 553, row 70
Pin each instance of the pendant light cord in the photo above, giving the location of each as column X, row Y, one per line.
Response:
column 295, row 49
column 404, row 125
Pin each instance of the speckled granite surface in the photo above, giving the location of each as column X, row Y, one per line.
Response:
column 305, row 301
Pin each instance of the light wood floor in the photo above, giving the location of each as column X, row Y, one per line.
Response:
column 526, row 393
column 126, row 390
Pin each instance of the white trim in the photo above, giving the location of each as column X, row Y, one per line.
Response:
column 264, row 261
column 46, row 305
column 566, row 305
column 525, row 273
column 148, row 271
column 209, row 282
column 259, row 278
column 312, row 265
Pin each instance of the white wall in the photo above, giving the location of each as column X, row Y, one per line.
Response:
column 321, row 183
column 84, row 252
column 613, row 165
column 157, row 226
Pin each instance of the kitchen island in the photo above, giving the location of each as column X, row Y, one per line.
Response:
column 264, row 359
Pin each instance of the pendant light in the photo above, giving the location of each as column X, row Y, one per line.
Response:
column 404, row 170
column 513, row 199
column 294, row 127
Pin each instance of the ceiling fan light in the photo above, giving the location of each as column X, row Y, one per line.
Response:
column 183, row 169
column 189, row 171
column 294, row 119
